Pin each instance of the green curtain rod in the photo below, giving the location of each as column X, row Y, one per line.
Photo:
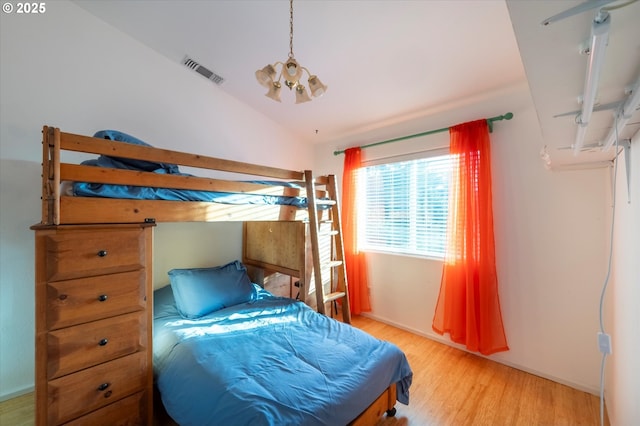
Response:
column 507, row 116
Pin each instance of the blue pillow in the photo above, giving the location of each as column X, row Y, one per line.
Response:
column 129, row 163
column 200, row 291
column 163, row 303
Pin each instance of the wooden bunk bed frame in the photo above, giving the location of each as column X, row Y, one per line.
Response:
column 60, row 209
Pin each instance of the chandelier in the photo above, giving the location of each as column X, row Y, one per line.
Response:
column 291, row 72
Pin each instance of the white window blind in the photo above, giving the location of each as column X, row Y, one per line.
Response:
column 405, row 206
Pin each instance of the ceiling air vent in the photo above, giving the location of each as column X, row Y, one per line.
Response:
column 206, row 73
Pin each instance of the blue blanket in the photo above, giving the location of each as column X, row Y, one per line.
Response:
column 88, row 189
column 271, row 361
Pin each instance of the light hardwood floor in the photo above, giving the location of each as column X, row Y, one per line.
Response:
column 453, row 387
column 450, row 387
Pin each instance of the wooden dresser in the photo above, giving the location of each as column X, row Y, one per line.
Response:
column 93, row 324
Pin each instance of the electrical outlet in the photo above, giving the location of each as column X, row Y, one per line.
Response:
column 604, row 343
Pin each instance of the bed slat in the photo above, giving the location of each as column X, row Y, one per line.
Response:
column 72, row 142
column 85, row 210
column 75, row 172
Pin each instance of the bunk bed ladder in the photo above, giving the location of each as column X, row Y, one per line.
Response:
column 339, row 286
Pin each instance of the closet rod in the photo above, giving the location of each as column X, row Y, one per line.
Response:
column 507, row 116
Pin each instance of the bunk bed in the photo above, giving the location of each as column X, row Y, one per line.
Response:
column 146, row 164
column 94, row 293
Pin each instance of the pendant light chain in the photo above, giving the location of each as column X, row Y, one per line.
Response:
column 290, row 28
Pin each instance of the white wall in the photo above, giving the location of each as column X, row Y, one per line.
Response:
column 623, row 299
column 550, row 243
column 67, row 69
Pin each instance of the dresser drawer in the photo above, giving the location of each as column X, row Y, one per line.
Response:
column 130, row 411
column 74, row 348
column 87, row 299
column 71, row 396
column 87, row 253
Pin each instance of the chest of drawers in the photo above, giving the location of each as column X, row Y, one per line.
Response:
column 93, row 325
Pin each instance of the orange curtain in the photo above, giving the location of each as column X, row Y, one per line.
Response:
column 355, row 261
column 468, row 306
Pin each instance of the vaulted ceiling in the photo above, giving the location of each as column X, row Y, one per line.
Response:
column 387, row 60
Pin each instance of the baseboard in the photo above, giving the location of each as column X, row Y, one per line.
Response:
column 11, row 395
column 445, row 341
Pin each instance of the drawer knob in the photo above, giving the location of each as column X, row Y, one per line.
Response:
column 102, row 253
column 103, row 342
column 63, row 297
column 103, row 386
column 103, row 298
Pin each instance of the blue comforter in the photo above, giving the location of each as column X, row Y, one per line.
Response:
column 88, row 189
column 271, row 361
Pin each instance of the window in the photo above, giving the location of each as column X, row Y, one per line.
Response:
column 405, row 206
